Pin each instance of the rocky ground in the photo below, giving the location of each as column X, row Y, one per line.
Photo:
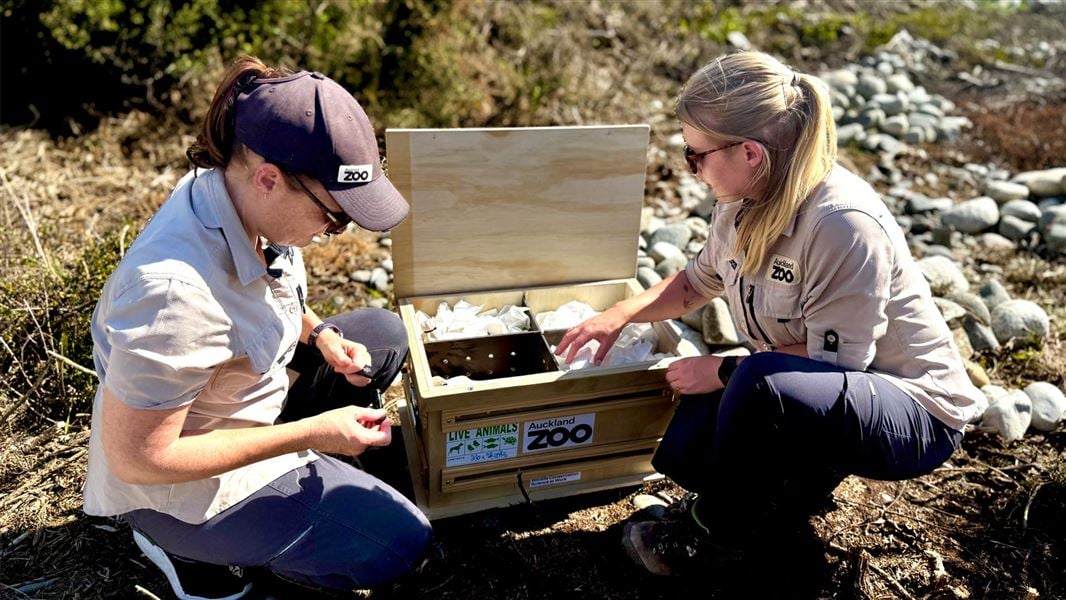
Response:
column 971, row 161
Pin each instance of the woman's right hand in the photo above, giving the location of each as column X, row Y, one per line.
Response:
column 349, row 430
column 604, row 328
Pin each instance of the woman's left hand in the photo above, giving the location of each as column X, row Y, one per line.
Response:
column 346, row 357
column 695, row 375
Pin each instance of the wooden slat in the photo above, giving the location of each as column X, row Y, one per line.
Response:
column 507, row 208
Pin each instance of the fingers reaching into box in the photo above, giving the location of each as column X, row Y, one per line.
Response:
column 349, row 430
column 604, row 328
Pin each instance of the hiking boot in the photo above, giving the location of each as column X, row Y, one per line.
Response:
column 677, row 543
column 194, row 580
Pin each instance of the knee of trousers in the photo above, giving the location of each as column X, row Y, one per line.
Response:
column 387, row 327
column 749, row 389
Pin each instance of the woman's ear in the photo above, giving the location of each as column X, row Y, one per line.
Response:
column 754, row 153
column 266, row 177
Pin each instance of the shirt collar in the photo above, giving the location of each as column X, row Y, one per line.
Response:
column 214, row 208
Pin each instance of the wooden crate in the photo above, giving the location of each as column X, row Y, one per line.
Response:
column 534, row 217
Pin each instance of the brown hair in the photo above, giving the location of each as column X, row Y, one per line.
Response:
column 751, row 96
column 215, row 146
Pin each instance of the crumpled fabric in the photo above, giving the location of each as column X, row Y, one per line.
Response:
column 566, row 316
column 635, row 344
column 466, row 320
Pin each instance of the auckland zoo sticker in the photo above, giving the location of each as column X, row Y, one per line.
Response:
column 783, row 270
column 482, row 444
column 558, row 432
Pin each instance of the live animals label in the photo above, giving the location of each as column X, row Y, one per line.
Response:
column 558, row 432
column 481, row 444
column 555, row 479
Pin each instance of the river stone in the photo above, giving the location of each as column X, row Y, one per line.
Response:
column 1020, row 320
column 870, row 85
column 1043, row 183
column 1023, row 209
column 646, row 215
column 995, row 242
column 917, row 135
column 1008, row 415
column 689, row 335
column 950, row 311
column 660, row 251
column 895, row 125
column 1049, row 405
column 1052, row 215
column 980, row 335
column 899, row 82
column 379, row 279
column 361, row 276
column 718, row 328
column 890, row 103
column 972, row 216
column 677, row 234
column 973, row 305
column 993, row 293
column 840, row 78
column 1004, row 191
column 962, row 342
column 697, row 226
column 852, row 132
column 648, row 277
column 645, row 261
column 1055, row 238
column 943, row 276
column 976, row 373
column 1016, row 229
column 671, row 265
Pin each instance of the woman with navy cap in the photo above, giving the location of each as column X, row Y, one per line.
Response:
column 199, row 439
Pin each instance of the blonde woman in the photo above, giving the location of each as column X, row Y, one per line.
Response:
column 856, row 372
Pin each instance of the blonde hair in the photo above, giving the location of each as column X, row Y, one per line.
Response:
column 752, row 96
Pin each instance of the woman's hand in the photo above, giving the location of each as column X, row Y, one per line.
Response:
column 695, row 375
column 604, row 328
column 349, row 430
column 345, row 356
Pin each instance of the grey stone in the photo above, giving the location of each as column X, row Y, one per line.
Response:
column 962, row 342
column 1047, row 182
column 688, row 335
column 981, row 336
column 928, row 108
column 379, row 279
column 972, row 304
column 694, row 248
column 738, row 40
column 840, row 78
column 675, row 142
column 1013, row 228
column 923, row 120
column 645, row 261
column 870, row 118
column 890, row 103
column 943, row 276
column 1049, row 405
column 718, row 327
column 694, row 319
column 1003, row 191
column 995, row 242
column 378, row 303
column 677, row 234
column 940, row 250
column 915, row 135
column 1020, row 320
column 895, row 125
column 972, row 216
column 1023, row 209
column 899, row 82
column 870, row 85
column 1052, row 215
column 660, row 251
column 950, row 311
column 671, row 265
column 1055, row 238
column 647, row 213
column 654, row 224
column 993, row 294
column 1046, row 203
column 1008, row 415
column 697, row 226
column 361, row 276
column 387, row 264
column 647, row 277
column 888, row 144
column 853, row 132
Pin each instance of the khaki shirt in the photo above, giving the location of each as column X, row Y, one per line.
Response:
column 842, row 280
column 192, row 317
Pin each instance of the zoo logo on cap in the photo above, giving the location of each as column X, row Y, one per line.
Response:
column 355, row 173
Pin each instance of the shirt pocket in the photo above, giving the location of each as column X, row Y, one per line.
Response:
column 780, row 315
column 272, row 348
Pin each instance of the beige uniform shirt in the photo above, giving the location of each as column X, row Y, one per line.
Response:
column 192, row 317
column 842, row 280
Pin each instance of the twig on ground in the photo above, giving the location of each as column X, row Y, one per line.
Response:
column 1029, row 504
column 902, row 591
column 70, row 363
column 38, row 477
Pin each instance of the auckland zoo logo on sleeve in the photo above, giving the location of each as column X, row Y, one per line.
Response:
column 558, row 432
column 783, row 270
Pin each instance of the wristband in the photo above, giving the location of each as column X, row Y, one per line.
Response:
column 313, row 336
column 725, row 370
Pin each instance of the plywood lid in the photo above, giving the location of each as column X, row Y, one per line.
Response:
column 517, row 207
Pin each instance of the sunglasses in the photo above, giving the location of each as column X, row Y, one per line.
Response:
column 695, row 158
column 338, row 220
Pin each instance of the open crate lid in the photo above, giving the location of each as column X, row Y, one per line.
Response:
column 515, row 207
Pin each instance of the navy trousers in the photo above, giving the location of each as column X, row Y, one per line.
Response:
column 786, row 430
column 326, row 524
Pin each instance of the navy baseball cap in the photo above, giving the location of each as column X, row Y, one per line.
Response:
column 307, row 123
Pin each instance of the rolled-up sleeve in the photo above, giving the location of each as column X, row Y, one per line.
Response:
column 166, row 338
column 849, row 262
column 702, row 273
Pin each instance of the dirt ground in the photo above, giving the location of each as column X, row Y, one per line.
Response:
column 988, row 524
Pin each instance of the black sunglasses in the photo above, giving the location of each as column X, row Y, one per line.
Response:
column 338, row 220
column 695, row 158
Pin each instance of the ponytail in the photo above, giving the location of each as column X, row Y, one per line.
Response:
column 215, row 146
